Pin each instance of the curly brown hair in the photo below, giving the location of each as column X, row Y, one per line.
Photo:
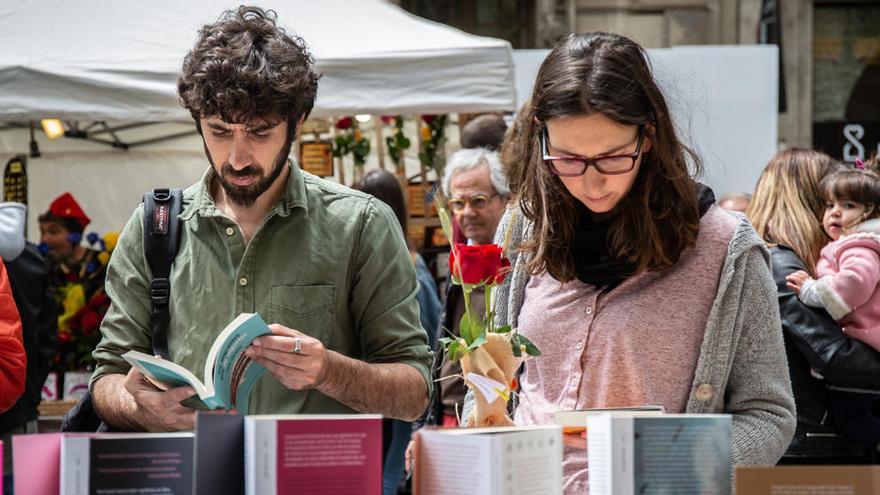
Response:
column 659, row 218
column 245, row 68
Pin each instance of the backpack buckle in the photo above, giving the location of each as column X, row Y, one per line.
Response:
column 160, row 291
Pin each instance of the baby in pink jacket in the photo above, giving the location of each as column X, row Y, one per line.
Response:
column 848, row 274
column 848, row 269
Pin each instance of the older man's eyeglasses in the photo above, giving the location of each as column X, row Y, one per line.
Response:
column 573, row 166
column 477, row 202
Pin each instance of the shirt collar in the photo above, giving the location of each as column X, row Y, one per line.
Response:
column 294, row 195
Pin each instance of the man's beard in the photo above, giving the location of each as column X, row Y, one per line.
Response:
column 247, row 195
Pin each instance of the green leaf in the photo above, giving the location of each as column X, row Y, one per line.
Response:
column 504, row 329
column 469, row 327
column 518, row 341
column 477, row 342
column 455, row 351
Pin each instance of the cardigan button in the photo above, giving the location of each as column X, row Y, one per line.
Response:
column 704, row 392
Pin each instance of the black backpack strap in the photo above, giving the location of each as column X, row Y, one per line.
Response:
column 161, row 241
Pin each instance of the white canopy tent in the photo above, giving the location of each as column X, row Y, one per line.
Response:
column 118, row 61
column 105, row 60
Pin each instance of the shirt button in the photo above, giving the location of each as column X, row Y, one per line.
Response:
column 242, row 281
column 704, row 392
column 589, row 310
column 230, row 231
column 580, row 345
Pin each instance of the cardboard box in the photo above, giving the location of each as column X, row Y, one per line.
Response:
column 808, row 480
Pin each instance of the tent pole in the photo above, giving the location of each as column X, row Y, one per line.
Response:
column 380, row 145
column 340, row 165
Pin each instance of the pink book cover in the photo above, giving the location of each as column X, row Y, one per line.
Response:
column 338, row 456
column 36, row 463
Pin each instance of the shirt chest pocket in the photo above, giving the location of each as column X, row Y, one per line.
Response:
column 311, row 309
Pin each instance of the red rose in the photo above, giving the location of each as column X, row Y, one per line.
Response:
column 343, row 123
column 98, row 300
column 480, row 263
column 63, row 338
column 389, row 120
column 429, row 118
column 90, row 322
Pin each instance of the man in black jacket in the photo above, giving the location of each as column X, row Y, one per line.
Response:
column 28, row 277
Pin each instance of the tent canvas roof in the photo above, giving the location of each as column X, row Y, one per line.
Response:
column 118, row 61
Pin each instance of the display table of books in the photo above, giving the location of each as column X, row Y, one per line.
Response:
column 340, row 454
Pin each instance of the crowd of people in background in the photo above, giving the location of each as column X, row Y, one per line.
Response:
column 772, row 296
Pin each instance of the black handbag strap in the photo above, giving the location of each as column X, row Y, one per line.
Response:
column 161, row 242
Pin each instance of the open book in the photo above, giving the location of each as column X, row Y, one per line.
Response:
column 229, row 375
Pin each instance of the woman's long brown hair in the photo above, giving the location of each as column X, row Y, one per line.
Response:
column 659, row 217
column 787, row 206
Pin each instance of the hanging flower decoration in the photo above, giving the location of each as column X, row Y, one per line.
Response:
column 489, row 355
column 432, row 132
column 350, row 139
column 397, row 143
column 80, row 322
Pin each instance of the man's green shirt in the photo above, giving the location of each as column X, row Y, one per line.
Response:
column 327, row 261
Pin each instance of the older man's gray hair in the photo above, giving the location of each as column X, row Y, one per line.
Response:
column 469, row 159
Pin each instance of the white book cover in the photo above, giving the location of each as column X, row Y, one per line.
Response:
column 684, row 454
column 508, row 461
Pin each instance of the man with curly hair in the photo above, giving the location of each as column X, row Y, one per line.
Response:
column 327, row 267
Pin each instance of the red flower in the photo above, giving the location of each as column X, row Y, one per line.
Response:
column 63, row 338
column 98, row 300
column 429, row 118
column 343, row 123
column 72, row 277
column 480, row 263
column 389, row 120
column 90, row 322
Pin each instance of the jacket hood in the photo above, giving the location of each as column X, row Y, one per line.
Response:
column 12, row 218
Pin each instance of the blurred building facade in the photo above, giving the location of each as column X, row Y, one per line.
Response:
column 830, row 49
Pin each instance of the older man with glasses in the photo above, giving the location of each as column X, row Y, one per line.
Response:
column 476, row 187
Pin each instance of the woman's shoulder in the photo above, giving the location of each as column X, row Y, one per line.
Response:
column 730, row 228
column 513, row 226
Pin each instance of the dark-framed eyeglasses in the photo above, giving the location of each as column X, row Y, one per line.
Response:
column 573, row 166
column 477, row 201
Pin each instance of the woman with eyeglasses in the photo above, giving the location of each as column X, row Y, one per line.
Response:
column 636, row 288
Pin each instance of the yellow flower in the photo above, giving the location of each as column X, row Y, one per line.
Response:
column 110, row 239
column 104, row 257
column 358, row 135
column 426, row 133
column 74, row 300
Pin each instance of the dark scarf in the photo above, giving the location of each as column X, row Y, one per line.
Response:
column 594, row 265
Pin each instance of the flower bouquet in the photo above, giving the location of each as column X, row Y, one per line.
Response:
column 351, row 140
column 80, row 321
column 489, row 355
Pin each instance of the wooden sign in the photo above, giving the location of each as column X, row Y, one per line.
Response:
column 417, row 196
column 316, row 157
column 15, row 180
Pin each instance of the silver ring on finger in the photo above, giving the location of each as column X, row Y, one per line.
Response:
column 297, row 345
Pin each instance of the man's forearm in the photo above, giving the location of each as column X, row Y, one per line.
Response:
column 394, row 390
column 114, row 404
